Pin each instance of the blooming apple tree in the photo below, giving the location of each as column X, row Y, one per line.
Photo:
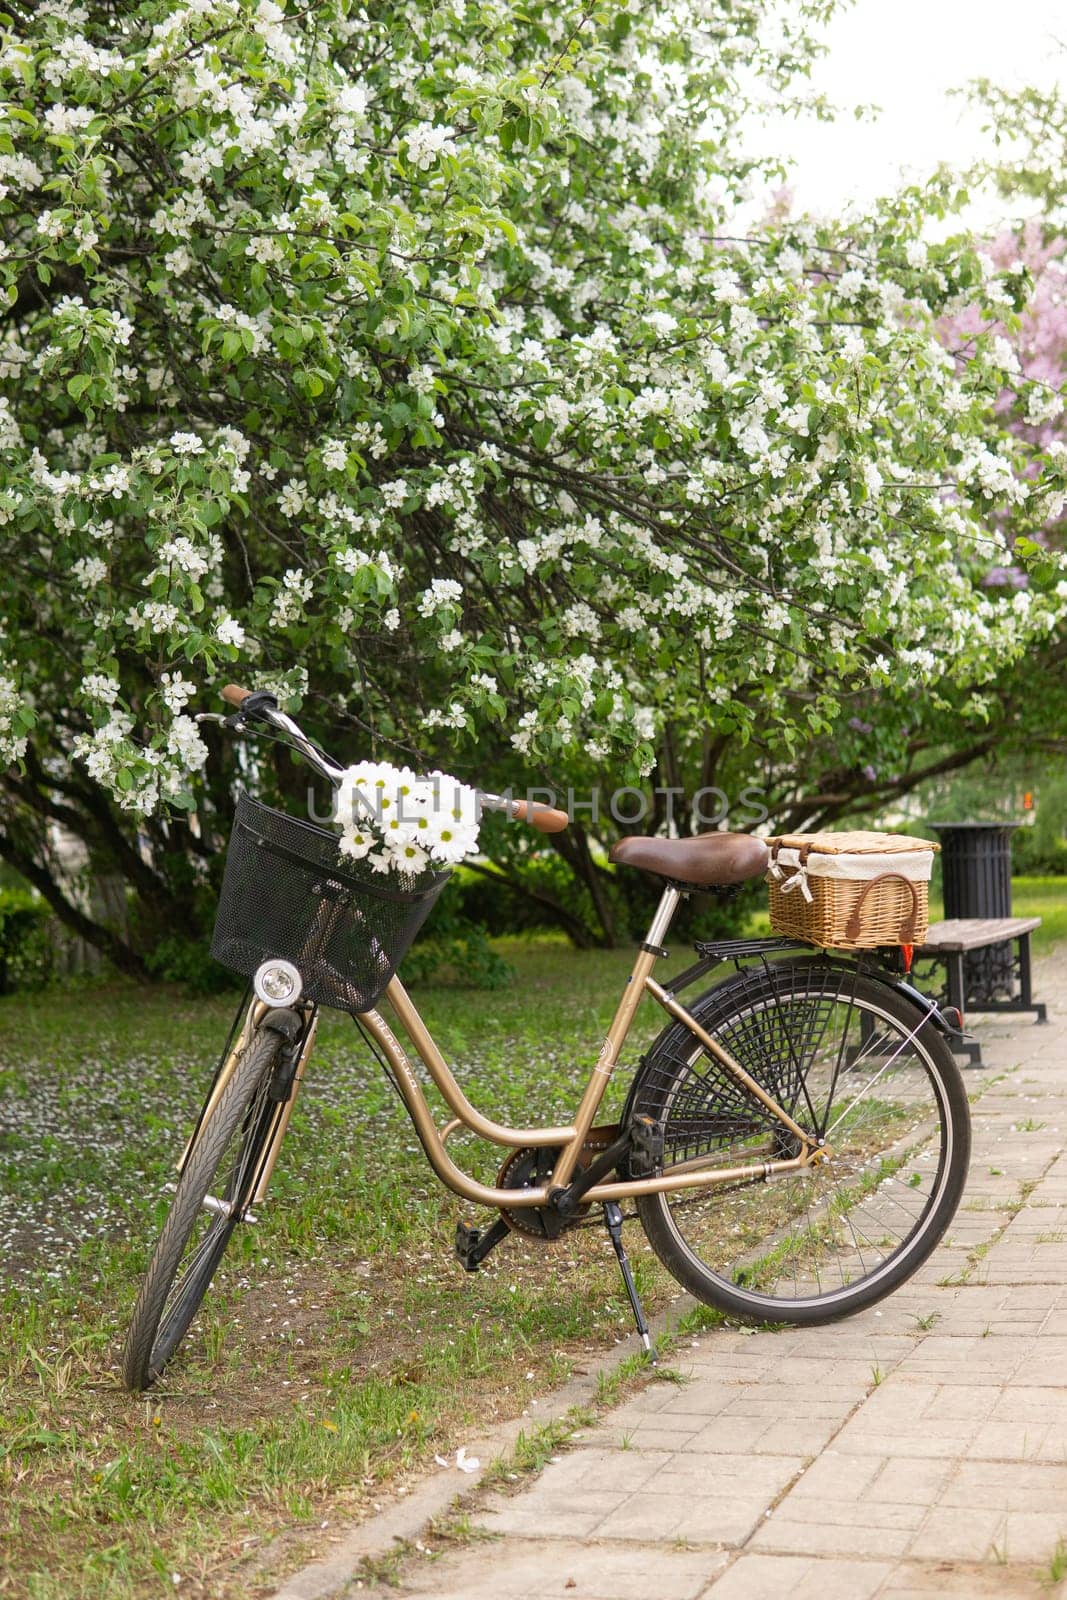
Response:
column 410, row 361
column 882, row 747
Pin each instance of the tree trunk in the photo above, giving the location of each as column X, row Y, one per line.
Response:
column 573, row 846
column 118, row 953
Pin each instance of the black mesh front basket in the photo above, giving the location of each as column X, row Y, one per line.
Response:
column 287, row 891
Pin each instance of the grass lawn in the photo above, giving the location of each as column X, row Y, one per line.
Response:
column 1045, row 898
column 342, row 1346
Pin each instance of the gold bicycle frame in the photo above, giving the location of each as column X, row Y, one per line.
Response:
column 573, row 1140
column 573, row 1137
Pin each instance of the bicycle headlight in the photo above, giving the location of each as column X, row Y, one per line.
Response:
column 278, row 983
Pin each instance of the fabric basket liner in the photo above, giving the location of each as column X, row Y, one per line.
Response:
column 915, row 864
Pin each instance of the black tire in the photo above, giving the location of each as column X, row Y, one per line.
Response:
column 809, row 1246
column 224, row 1162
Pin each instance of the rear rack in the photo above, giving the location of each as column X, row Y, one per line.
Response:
column 737, row 949
column 714, row 951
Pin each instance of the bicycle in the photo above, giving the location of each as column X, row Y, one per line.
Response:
column 795, row 1141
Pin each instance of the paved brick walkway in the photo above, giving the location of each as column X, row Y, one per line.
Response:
column 918, row 1449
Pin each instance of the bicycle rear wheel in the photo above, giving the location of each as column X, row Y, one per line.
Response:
column 854, row 1063
column 214, row 1191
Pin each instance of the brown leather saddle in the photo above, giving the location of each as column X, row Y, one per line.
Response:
column 705, row 861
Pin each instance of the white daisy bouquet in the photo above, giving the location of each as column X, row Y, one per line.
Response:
column 400, row 822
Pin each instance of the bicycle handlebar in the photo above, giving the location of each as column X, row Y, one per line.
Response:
column 234, row 695
column 266, row 709
column 544, row 818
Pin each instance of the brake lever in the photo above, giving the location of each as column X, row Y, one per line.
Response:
column 290, row 737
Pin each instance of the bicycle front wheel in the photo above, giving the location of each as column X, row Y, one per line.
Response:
column 854, row 1063
column 215, row 1188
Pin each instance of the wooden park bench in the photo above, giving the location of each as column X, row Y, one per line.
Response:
column 950, row 942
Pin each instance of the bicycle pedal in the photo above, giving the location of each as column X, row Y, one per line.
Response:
column 646, row 1146
column 466, row 1243
column 472, row 1245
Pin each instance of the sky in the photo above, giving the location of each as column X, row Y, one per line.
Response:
column 904, row 55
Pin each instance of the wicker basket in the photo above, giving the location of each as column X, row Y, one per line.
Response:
column 850, row 891
column 288, row 892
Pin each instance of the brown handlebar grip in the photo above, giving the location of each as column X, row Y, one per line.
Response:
column 234, row 695
column 543, row 818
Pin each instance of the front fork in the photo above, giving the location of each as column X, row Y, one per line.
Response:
column 284, row 1111
column 283, row 1108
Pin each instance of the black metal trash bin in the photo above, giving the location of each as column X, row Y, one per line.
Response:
column 976, row 879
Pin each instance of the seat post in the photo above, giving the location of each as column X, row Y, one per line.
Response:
column 661, row 922
column 620, row 1027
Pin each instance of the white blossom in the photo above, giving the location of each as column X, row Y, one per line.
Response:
column 441, row 592
column 427, row 142
column 176, row 690
column 187, row 444
column 12, row 744
column 229, row 631
column 98, row 686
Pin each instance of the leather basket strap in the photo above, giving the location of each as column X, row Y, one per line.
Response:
column 907, row 927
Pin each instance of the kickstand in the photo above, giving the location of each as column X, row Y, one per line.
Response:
column 613, row 1222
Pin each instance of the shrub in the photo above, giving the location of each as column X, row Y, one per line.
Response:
column 26, row 960
column 189, row 961
column 454, row 945
column 1041, row 850
column 1039, row 853
column 416, row 349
